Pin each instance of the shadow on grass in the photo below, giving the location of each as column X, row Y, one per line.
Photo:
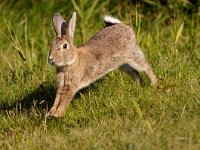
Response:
column 40, row 98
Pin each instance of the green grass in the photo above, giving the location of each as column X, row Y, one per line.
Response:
column 114, row 112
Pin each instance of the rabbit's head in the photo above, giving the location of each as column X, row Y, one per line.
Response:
column 62, row 51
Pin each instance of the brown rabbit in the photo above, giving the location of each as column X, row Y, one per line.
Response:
column 112, row 47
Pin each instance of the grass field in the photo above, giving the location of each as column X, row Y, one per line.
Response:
column 115, row 112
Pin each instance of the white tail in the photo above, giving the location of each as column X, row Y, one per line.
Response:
column 111, row 20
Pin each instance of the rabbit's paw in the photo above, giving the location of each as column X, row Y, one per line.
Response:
column 154, row 83
column 58, row 114
column 51, row 112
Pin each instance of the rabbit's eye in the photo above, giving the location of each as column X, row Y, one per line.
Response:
column 65, row 46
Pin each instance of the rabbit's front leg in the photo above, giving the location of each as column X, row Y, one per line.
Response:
column 56, row 103
column 65, row 99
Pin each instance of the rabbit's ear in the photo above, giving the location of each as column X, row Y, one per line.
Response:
column 59, row 24
column 70, row 27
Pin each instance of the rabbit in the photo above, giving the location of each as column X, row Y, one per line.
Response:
column 77, row 67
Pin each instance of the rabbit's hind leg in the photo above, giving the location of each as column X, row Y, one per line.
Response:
column 138, row 62
column 130, row 70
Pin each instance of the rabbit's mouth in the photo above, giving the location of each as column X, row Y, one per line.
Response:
column 58, row 63
column 51, row 62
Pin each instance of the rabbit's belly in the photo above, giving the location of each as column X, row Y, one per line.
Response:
column 95, row 73
column 105, row 68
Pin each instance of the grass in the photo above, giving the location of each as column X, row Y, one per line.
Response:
column 114, row 112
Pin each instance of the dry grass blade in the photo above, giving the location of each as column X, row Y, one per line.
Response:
column 179, row 32
column 13, row 40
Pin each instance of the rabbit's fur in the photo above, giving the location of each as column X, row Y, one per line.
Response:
column 112, row 47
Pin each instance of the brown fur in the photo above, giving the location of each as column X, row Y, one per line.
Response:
column 113, row 47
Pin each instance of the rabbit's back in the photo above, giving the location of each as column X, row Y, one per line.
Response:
column 111, row 41
column 107, row 50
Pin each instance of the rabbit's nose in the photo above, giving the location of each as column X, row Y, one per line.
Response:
column 50, row 60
